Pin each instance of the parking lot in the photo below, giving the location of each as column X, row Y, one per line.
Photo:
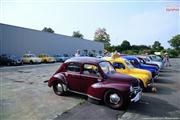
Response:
column 25, row 96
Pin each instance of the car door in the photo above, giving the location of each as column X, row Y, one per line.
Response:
column 25, row 58
column 89, row 76
column 73, row 76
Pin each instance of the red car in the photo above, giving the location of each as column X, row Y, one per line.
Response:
column 97, row 79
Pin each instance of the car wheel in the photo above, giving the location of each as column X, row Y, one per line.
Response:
column 8, row 64
column 31, row 62
column 59, row 88
column 114, row 99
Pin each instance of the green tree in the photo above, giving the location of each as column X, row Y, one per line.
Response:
column 101, row 35
column 157, row 46
column 172, row 53
column 175, row 42
column 45, row 29
column 77, row 34
column 125, row 45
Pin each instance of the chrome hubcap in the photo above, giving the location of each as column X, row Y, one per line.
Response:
column 114, row 98
column 59, row 87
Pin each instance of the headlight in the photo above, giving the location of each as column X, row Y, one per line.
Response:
column 97, row 85
column 131, row 88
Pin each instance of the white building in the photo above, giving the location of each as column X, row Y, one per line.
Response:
column 18, row 41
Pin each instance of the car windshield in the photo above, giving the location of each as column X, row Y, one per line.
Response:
column 129, row 64
column 107, row 68
column 146, row 59
column 152, row 57
column 12, row 57
column 32, row 55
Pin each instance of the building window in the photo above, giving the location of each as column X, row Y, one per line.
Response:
column 100, row 52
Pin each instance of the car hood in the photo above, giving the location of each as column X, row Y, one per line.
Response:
column 158, row 63
column 142, row 77
column 148, row 67
column 35, row 58
column 141, row 71
column 117, row 77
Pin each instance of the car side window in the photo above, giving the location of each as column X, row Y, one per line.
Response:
column 91, row 70
column 73, row 67
column 121, row 66
column 118, row 65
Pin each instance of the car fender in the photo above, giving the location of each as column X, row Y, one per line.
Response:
column 57, row 77
column 98, row 90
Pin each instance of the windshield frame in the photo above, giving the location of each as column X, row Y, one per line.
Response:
column 112, row 71
column 128, row 64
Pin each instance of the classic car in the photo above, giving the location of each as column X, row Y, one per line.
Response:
column 46, row 58
column 8, row 59
column 155, row 58
column 134, row 61
column 60, row 58
column 142, row 61
column 96, row 79
column 149, row 60
column 125, row 67
column 30, row 59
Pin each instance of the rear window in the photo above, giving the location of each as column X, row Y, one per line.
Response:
column 73, row 67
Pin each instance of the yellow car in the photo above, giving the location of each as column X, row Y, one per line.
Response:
column 46, row 58
column 123, row 66
column 30, row 59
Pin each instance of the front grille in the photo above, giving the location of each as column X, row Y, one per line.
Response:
column 135, row 91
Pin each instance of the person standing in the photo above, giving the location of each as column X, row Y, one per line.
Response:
column 77, row 54
column 166, row 60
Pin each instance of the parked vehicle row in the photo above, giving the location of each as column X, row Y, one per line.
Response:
column 8, row 59
column 117, row 80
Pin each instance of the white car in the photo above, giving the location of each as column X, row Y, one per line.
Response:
column 149, row 60
column 31, row 59
column 155, row 58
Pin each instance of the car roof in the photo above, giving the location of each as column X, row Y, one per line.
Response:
column 84, row 60
column 129, row 57
column 120, row 59
column 29, row 54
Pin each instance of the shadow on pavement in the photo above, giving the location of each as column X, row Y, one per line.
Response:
column 162, row 90
column 89, row 111
column 164, row 80
column 153, row 107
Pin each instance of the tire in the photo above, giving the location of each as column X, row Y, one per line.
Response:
column 31, row 62
column 45, row 61
column 8, row 63
column 58, row 88
column 114, row 99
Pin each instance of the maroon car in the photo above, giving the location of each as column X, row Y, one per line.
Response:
column 96, row 79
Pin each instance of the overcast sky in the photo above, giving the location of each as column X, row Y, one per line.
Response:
column 139, row 22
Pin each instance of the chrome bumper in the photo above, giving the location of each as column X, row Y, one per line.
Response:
column 156, row 76
column 137, row 97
